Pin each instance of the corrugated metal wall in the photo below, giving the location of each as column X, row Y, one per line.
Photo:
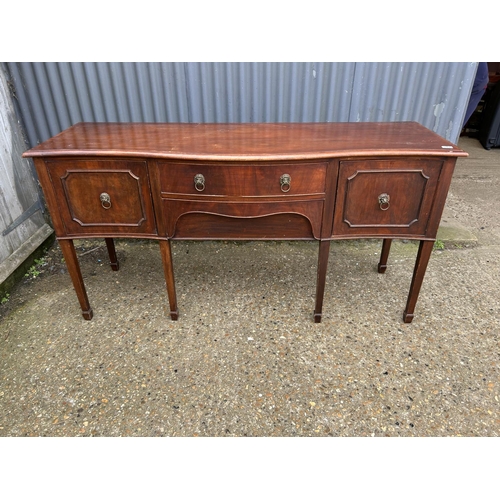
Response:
column 53, row 96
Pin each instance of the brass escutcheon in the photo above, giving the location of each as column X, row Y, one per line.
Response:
column 199, row 182
column 105, row 201
column 383, row 200
column 285, row 181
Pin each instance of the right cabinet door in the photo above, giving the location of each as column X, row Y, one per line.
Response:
column 385, row 197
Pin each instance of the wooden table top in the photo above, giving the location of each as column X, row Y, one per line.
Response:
column 246, row 141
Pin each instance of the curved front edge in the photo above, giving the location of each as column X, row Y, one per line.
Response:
column 244, row 221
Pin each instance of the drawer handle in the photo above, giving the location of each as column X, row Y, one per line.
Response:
column 199, row 182
column 383, row 200
column 285, row 181
column 105, row 201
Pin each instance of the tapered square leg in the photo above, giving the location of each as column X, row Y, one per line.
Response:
column 324, row 250
column 424, row 253
column 69, row 253
column 168, row 269
column 113, row 260
column 386, row 246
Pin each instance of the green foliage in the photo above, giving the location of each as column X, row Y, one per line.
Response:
column 438, row 245
column 35, row 270
column 5, row 299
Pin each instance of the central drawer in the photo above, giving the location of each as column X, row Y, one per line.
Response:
column 242, row 180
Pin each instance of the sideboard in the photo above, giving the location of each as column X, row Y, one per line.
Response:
column 250, row 181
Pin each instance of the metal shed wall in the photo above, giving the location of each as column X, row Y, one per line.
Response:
column 52, row 96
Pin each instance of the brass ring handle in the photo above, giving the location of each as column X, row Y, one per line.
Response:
column 383, row 201
column 199, row 182
column 285, row 181
column 105, row 201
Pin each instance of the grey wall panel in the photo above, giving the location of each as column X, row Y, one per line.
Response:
column 53, row 96
column 434, row 94
column 266, row 92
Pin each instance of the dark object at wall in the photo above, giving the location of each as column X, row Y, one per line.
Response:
column 478, row 89
column 489, row 133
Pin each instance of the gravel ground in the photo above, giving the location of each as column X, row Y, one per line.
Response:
column 245, row 358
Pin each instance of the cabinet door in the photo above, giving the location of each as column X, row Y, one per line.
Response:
column 108, row 197
column 385, row 197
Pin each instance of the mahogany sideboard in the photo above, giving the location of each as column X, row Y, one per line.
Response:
column 261, row 181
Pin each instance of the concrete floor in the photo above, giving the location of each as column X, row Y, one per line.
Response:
column 245, row 358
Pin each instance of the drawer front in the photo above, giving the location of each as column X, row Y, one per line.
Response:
column 385, row 197
column 241, row 180
column 103, row 196
column 204, row 219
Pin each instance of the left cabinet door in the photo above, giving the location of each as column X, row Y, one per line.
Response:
column 102, row 196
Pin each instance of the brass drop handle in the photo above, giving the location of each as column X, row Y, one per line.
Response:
column 199, row 182
column 105, row 201
column 285, row 181
column 383, row 201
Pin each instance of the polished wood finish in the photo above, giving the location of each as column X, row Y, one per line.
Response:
column 296, row 181
column 168, row 268
column 79, row 183
column 424, row 253
column 410, row 185
column 242, row 180
column 219, row 226
column 223, row 225
column 246, row 141
column 113, row 259
column 324, row 249
column 386, row 247
column 69, row 253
